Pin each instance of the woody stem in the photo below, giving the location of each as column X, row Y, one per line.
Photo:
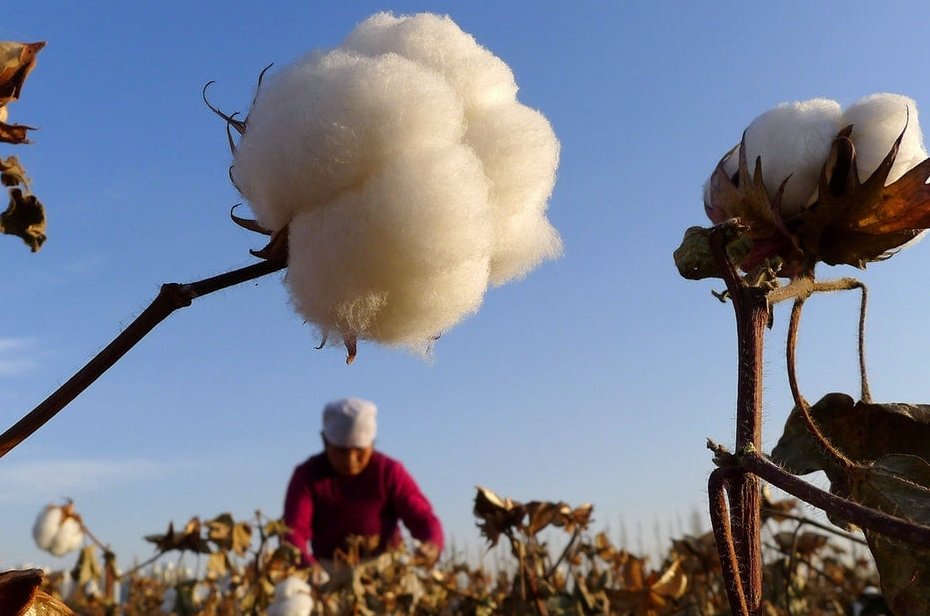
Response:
column 752, row 310
column 171, row 297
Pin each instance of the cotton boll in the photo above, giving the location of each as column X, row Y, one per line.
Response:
column 325, row 123
column 291, row 598
column 68, row 537
column 794, row 140
column 400, row 260
column 46, row 526
column 437, row 42
column 407, row 175
column 877, row 121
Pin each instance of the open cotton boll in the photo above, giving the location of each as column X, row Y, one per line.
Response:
column 291, row 598
column 794, row 141
column 46, row 525
column 437, row 42
column 877, row 121
column 407, row 175
column 400, row 260
column 327, row 122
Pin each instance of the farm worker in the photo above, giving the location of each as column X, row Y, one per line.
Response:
column 351, row 489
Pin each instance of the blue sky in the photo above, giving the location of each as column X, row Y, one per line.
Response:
column 597, row 378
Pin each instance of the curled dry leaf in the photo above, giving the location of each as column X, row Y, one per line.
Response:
column 498, row 516
column 25, row 218
column 16, row 62
column 188, row 540
column 650, row 593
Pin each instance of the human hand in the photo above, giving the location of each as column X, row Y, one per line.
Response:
column 427, row 553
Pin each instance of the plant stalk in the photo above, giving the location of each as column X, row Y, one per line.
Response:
column 171, row 297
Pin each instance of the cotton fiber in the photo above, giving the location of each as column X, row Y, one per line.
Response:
column 793, row 140
column 877, row 121
column 407, row 174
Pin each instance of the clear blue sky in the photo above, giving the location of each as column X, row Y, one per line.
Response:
column 596, row 379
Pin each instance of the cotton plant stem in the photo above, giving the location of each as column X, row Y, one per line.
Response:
column 171, row 297
column 752, row 310
column 845, row 509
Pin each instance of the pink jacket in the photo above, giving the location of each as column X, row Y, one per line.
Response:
column 323, row 507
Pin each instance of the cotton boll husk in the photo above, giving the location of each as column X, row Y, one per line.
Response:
column 520, row 154
column 46, row 525
column 68, row 537
column 401, row 259
column 437, row 42
column 793, row 139
column 877, row 121
column 325, row 123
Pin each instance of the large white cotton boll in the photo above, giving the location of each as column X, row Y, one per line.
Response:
column 794, row 141
column 437, row 42
column 877, row 121
column 401, row 259
column 325, row 123
column 407, row 175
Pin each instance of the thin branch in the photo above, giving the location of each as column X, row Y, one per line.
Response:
column 845, row 509
column 171, row 297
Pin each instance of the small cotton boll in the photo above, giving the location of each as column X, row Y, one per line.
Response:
column 325, row 123
column 877, row 121
column 437, row 42
column 291, row 598
column 401, row 260
column 68, row 537
column 793, row 139
column 46, row 526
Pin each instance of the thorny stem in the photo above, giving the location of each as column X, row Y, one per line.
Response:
column 752, row 309
column 171, row 297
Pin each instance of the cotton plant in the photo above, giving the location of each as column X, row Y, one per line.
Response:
column 809, row 182
column 400, row 177
column 292, row 597
column 58, row 529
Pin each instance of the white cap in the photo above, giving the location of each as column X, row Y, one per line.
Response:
column 350, row 422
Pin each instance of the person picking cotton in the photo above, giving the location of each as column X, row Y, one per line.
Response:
column 405, row 175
